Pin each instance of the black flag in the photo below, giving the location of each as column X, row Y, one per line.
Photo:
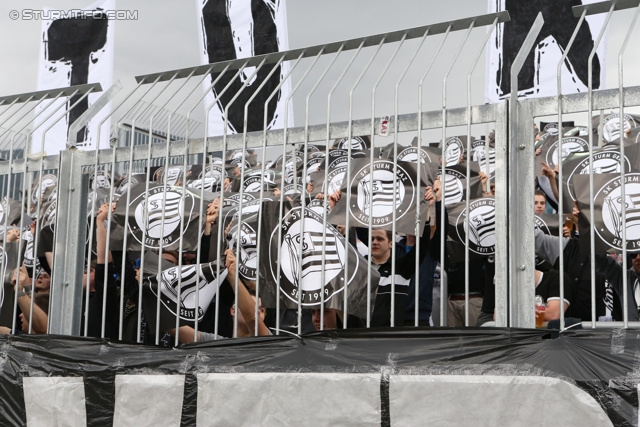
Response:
column 219, row 39
column 559, row 24
column 75, row 40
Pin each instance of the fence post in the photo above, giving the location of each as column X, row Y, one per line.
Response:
column 521, row 178
column 69, row 248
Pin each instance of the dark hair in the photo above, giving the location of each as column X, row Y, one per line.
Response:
column 387, row 232
column 540, row 193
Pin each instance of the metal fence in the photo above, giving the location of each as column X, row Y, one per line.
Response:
column 369, row 104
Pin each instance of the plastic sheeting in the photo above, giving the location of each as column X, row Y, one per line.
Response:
column 300, row 399
column 386, row 377
column 159, row 395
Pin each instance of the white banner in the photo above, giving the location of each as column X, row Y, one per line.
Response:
column 242, row 29
column 74, row 51
column 539, row 73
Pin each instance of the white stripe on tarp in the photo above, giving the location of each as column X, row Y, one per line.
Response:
column 148, row 400
column 291, row 399
column 54, row 401
column 490, row 400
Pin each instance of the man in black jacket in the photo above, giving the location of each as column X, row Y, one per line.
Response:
column 405, row 264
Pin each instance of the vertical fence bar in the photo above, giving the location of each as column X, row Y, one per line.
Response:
column 625, row 277
column 560, row 172
column 518, row 213
column 591, row 201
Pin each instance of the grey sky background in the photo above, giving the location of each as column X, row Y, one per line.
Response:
column 165, row 37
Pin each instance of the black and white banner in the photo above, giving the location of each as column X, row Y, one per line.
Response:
column 538, row 76
column 155, row 217
column 550, row 152
column 377, row 192
column 235, row 29
column 308, row 252
column 605, row 161
column 608, row 211
column 75, row 51
column 176, row 287
column 481, row 228
column 613, row 127
column 455, row 183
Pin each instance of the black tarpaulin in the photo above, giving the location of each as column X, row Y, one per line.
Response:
column 595, row 372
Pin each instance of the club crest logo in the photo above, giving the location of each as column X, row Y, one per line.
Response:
column 248, row 207
column 335, row 177
column 608, row 222
column 46, row 185
column 483, row 156
column 611, row 126
column 174, row 173
column 356, row 143
column 291, row 168
column 375, row 194
column 314, row 164
column 569, row 145
column 29, row 259
column 129, row 181
column 453, row 151
column 338, row 162
column 248, row 250
column 49, row 219
column 255, row 180
column 291, row 189
column 410, row 154
column 606, row 161
column 187, row 280
column 162, row 221
column 100, row 179
column 301, row 257
column 210, row 179
column 550, row 129
column 234, row 199
column 235, row 158
column 317, row 206
column 482, row 226
column 453, row 186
